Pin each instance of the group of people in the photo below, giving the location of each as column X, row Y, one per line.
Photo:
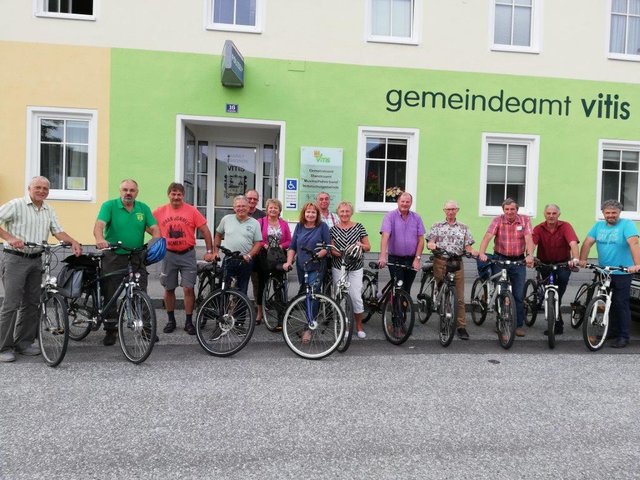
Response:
column 256, row 234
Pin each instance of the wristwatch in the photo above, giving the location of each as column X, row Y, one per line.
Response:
column 418, row 257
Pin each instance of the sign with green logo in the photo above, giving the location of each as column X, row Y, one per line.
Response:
column 320, row 171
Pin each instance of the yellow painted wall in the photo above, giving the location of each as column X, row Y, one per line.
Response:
column 52, row 76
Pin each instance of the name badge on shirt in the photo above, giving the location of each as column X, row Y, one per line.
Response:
column 518, row 228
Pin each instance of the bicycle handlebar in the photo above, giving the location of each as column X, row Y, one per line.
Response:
column 606, row 269
column 446, row 253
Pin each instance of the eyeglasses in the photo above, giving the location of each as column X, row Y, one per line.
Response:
column 451, row 209
column 252, row 199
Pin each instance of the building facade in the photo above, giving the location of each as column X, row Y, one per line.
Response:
column 473, row 100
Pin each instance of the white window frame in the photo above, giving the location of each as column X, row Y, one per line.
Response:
column 531, row 179
column 605, row 144
column 228, row 27
column 536, row 30
column 39, row 11
column 412, row 135
column 615, row 55
column 34, row 114
column 416, row 26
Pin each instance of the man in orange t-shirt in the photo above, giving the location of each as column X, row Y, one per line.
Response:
column 178, row 222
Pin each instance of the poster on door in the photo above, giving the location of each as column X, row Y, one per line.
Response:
column 235, row 173
column 320, row 171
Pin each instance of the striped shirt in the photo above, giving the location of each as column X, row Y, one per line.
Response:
column 343, row 238
column 22, row 219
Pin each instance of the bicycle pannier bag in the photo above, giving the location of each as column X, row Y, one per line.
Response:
column 70, row 281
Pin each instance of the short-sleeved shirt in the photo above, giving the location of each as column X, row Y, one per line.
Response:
column 178, row 225
column 343, row 238
column 451, row 237
column 125, row 226
column 22, row 219
column 331, row 219
column 553, row 247
column 403, row 233
column 258, row 214
column 239, row 236
column 510, row 236
column 611, row 242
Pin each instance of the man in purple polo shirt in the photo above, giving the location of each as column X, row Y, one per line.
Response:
column 402, row 241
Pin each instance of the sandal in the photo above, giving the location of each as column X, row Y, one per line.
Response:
column 259, row 321
column 306, row 336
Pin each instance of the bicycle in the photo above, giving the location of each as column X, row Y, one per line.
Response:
column 426, row 293
column 443, row 296
column 596, row 326
column 275, row 299
column 313, row 323
column 483, row 294
column 543, row 292
column 53, row 325
column 225, row 320
column 583, row 297
column 340, row 291
column 209, row 278
column 392, row 301
column 136, row 315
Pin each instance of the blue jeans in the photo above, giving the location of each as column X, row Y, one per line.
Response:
column 620, row 310
column 241, row 270
column 315, row 278
column 517, row 275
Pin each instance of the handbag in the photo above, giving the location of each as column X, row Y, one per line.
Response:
column 275, row 256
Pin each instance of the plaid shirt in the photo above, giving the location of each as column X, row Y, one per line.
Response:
column 453, row 238
column 510, row 237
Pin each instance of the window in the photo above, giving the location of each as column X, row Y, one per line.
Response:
column 387, row 165
column 509, row 170
column 624, row 35
column 618, row 176
column 73, row 9
column 62, row 147
column 394, row 21
column 235, row 15
column 515, row 25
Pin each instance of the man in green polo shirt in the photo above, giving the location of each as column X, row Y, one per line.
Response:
column 122, row 220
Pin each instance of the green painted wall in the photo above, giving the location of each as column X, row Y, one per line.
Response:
column 323, row 104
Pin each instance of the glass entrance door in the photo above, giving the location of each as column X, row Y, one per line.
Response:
column 236, row 172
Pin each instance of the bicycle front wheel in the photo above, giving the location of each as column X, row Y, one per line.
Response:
column 53, row 329
column 579, row 304
column 550, row 312
column 397, row 317
column 137, row 326
column 225, row 323
column 369, row 299
column 479, row 301
column 596, row 323
column 345, row 303
column 530, row 302
column 448, row 314
column 506, row 319
column 80, row 311
column 313, row 326
column 274, row 301
column 425, row 298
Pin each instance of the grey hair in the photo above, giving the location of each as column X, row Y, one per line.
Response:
column 39, row 178
column 551, row 205
column 451, row 201
column 239, row 198
column 615, row 204
column 510, row 201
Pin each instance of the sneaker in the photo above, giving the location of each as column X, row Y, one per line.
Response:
column 109, row 338
column 189, row 328
column 169, row 327
column 7, row 356
column 362, row 334
column 519, row 332
column 30, row 351
column 463, row 334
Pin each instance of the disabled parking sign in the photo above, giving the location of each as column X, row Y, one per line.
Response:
column 291, row 193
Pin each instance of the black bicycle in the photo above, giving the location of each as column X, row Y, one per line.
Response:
column 136, row 315
column 275, row 299
column 209, row 279
column 225, row 320
column 583, row 296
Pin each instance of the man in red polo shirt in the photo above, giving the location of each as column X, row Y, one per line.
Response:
column 178, row 223
column 557, row 242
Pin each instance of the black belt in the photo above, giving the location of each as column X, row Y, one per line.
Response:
column 181, row 252
column 22, row 254
column 512, row 258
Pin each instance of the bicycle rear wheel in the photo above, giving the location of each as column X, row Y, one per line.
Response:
column 448, row 314
column 425, row 298
column 369, row 299
column 53, row 329
column 313, row 326
column 345, row 303
column 479, row 301
column 398, row 317
column 506, row 319
column 530, row 302
column 225, row 323
column 550, row 312
column 79, row 310
column 596, row 323
column 137, row 326
column 274, row 301
column 579, row 304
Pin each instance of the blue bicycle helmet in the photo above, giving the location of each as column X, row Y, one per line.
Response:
column 156, row 250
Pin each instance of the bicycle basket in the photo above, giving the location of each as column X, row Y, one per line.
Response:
column 70, row 281
column 453, row 265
